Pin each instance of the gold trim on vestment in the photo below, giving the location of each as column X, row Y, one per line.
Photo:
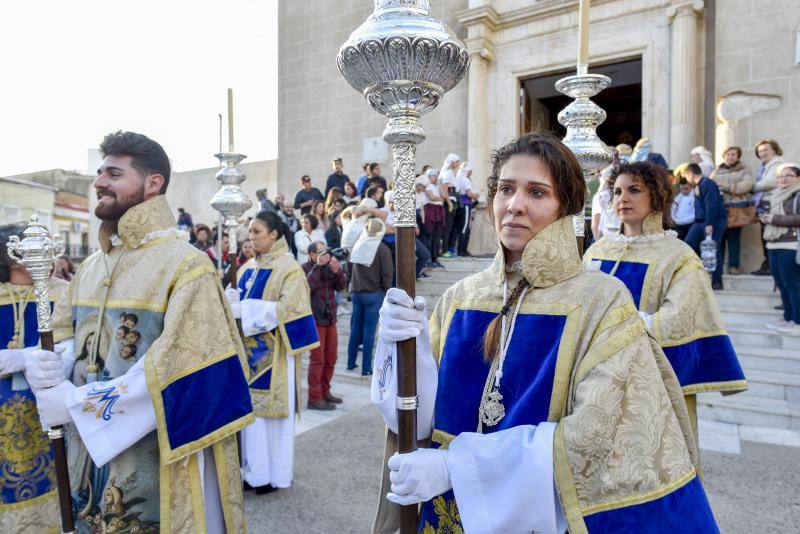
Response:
column 565, row 484
column 699, row 335
column 137, row 304
column 598, row 354
column 727, row 385
column 168, row 454
column 443, row 438
column 645, row 497
column 196, row 488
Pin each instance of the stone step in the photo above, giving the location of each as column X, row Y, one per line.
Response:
column 745, row 300
column 774, row 360
column 748, row 282
column 773, row 385
column 759, row 336
column 744, row 410
column 749, row 317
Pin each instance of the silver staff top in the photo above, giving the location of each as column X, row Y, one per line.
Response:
column 231, row 201
column 38, row 252
column 402, row 59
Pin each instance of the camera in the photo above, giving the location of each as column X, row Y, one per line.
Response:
column 339, row 253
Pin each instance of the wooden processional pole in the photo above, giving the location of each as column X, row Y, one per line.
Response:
column 403, row 61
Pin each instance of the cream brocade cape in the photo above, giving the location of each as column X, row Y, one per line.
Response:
column 623, row 436
column 277, row 277
column 667, row 281
column 28, row 498
column 158, row 296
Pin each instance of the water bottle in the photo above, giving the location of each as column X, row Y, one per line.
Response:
column 708, row 254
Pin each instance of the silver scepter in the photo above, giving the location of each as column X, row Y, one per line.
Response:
column 403, row 61
column 231, row 202
column 582, row 116
column 37, row 251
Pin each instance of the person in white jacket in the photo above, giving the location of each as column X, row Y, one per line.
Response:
column 309, row 233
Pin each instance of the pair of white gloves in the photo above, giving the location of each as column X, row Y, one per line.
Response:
column 423, row 474
column 45, row 372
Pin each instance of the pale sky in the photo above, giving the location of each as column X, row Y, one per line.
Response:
column 76, row 70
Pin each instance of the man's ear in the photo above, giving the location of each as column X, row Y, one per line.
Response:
column 152, row 185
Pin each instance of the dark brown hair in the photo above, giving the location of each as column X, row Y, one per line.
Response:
column 147, row 156
column 570, row 189
column 656, row 180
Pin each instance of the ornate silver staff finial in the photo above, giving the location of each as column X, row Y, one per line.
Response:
column 230, row 200
column 38, row 252
column 403, row 61
column 581, row 119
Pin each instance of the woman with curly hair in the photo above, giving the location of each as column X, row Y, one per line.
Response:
column 668, row 284
column 547, row 405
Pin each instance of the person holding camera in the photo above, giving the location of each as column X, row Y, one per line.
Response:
column 325, row 277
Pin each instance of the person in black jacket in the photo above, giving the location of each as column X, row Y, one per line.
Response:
column 338, row 178
column 710, row 216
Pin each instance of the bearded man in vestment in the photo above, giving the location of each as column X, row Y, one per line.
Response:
column 151, row 414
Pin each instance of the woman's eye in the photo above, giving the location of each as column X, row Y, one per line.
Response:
column 537, row 192
column 504, row 189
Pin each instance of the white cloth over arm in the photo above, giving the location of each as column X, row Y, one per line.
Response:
column 111, row 416
column 503, row 482
column 258, row 316
column 384, row 384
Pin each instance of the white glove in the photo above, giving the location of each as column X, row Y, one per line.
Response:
column 234, row 301
column 400, row 317
column 44, row 369
column 51, row 402
column 418, row 476
column 13, row 360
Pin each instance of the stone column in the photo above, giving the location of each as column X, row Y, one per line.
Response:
column 686, row 85
column 480, row 22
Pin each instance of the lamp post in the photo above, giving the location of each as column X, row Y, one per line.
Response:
column 403, row 60
column 582, row 116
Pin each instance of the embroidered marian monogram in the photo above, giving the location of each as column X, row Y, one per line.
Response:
column 102, row 400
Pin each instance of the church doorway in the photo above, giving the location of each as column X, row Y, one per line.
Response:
column 540, row 103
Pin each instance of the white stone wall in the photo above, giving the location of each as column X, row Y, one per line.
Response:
column 755, row 53
column 546, row 41
column 321, row 117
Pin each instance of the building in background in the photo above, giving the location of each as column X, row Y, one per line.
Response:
column 684, row 73
column 68, row 209
column 23, row 198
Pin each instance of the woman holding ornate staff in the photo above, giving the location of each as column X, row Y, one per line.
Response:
column 28, row 500
column 669, row 286
column 553, row 409
column 273, row 303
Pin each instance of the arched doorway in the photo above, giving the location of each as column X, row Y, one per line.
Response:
column 540, row 103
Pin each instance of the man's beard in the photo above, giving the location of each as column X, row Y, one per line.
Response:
column 115, row 210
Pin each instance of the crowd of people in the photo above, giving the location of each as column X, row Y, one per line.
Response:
column 317, row 223
column 720, row 201
column 625, row 338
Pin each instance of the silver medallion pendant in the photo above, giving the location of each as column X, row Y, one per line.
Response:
column 493, row 410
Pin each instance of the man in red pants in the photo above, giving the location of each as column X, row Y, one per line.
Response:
column 325, row 277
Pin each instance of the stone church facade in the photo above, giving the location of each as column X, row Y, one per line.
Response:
column 688, row 72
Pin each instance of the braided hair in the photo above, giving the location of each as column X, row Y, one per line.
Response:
column 491, row 338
